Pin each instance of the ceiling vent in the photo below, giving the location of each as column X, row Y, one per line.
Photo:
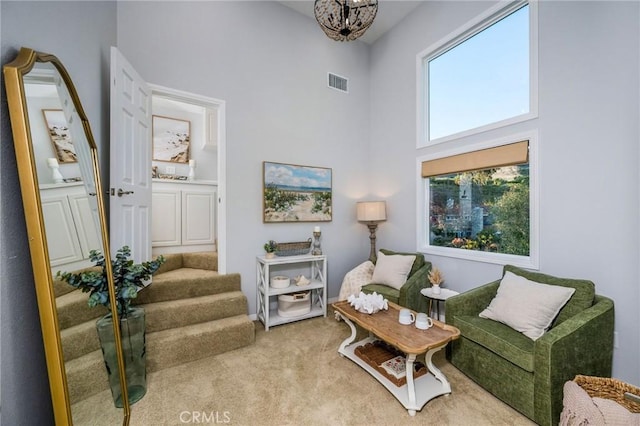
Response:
column 338, row 83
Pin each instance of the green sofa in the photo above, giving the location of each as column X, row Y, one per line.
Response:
column 529, row 375
column 409, row 295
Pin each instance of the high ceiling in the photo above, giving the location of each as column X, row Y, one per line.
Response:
column 390, row 12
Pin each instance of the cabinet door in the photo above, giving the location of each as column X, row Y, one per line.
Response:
column 166, row 218
column 87, row 225
column 62, row 239
column 198, row 217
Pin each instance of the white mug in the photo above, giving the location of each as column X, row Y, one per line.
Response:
column 423, row 322
column 406, row 316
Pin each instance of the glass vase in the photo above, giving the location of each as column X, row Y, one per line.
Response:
column 132, row 333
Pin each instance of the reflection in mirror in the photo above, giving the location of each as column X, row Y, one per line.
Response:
column 58, row 168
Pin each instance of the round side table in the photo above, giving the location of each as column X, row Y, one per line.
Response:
column 444, row 294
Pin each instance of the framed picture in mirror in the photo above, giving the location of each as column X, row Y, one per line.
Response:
column 60, row 135
column 171, row 139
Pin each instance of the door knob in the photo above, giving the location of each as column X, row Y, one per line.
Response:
column 121, row 192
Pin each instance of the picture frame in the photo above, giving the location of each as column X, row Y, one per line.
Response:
column 171, row 139
column 295, row 193
column 60, row 136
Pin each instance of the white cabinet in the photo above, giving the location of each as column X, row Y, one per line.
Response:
column 312, row 267
column 70, row 220
column 183, row 216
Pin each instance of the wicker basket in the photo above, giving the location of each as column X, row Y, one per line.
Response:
column 613, row 389
column 293, row 249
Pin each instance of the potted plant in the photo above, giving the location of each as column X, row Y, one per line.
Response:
column 436, row 279
column 129, row 278
column 270, row 248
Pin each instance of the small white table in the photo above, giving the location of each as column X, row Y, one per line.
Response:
column 444, row 294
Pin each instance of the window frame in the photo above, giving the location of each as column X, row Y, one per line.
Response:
column 459, row 36
column 423, row 196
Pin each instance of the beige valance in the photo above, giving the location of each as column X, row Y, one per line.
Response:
column 499, row 156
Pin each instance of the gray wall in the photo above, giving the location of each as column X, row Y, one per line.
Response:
column 80, row 34
column 588, row 147
column 269, row 63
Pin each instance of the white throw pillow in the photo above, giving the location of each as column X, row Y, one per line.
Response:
column 392, row 270
column 527, row 306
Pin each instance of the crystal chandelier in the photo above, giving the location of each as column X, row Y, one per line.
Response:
column 345, row 20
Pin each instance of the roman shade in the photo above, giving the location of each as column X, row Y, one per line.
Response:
column 499, row 156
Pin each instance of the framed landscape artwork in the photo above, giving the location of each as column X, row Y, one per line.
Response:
column 293, row 193
column 171, row 139
column 60, row 135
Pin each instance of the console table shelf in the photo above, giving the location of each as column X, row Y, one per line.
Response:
column 316, row 271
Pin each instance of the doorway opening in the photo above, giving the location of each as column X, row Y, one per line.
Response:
column 188, row 201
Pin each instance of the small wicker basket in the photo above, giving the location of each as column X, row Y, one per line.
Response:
column 613, row 389
column 293, row 249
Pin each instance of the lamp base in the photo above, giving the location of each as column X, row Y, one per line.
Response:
column 372, row 237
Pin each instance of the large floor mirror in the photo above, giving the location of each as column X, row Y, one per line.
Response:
column 65, row 219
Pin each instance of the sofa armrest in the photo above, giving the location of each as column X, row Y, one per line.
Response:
column 582, row 344
column 470, row 302
column 410, row 295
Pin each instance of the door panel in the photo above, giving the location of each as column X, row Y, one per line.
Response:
column 130, row 159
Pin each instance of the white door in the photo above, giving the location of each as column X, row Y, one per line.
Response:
column 130, row 190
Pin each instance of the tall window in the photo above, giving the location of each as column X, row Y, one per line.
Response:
column 481, row 78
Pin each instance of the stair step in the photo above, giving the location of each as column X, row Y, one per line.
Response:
column 86, row 376
column 79, row 340
column 176, row 346
column 178, row 313
column 186, row 282
column 73, row 309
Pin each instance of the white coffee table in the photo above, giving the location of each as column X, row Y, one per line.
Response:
column 412, row 341
column 444, row 294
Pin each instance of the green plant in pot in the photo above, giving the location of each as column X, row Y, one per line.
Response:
column 270, row 248
column 129, row 278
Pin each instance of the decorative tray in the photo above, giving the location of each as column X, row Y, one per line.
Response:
column 378, row 353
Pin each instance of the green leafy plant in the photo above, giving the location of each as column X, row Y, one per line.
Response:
column 270, row 246
column 128, row 278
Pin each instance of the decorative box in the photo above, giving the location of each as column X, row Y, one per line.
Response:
column 280, row 281
column 294, row 304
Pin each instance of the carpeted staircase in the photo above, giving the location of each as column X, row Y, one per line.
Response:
column 191, row 311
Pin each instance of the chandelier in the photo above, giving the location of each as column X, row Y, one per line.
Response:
column 345, row 20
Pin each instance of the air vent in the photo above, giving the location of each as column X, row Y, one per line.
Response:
column 338, row 83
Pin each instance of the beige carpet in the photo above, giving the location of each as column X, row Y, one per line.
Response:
column 292, row 375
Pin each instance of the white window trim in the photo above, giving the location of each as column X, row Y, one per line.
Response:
column 456, row 37
column 422, row 195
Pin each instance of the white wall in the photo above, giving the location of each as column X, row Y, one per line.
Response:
column 269, row 63
column 588, row 147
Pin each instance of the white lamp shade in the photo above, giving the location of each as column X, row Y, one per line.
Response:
column 372, row 211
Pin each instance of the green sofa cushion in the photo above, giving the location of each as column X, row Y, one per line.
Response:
column 581, row 299
column 498, row 338
column 389, row 293
column 417, row 264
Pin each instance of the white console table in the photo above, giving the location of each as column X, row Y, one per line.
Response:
column 317, row 273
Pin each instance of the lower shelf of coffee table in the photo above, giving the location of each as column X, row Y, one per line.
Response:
column 427, row 386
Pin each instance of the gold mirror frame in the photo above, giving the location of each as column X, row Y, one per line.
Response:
column 14, row 73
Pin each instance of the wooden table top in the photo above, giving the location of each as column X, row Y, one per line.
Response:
column 407, row 338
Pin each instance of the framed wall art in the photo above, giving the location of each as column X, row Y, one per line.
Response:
column 60, row 135
column 293, row 193
column 171, row 139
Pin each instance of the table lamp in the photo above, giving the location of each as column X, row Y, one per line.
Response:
column 371, row 213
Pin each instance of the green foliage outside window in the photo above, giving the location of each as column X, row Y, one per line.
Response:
column 485, row 210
